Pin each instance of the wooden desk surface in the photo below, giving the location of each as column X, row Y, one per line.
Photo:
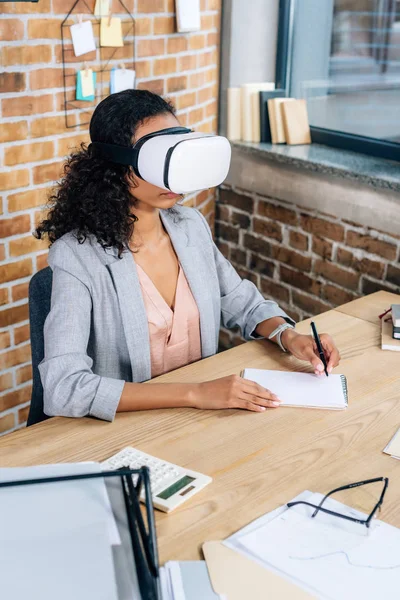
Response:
column 258, row 461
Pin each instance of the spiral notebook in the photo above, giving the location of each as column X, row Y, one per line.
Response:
column 304, row 390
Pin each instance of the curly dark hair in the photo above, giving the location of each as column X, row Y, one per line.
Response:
column 94, row 195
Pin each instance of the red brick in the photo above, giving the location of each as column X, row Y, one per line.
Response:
column 12, row 82
column 48, row 126
column 27, row 105
column 50, row 78
column 197, row 80
column 300, row 281
column 143, row 26
column 336, row 296
column 371, row 245
column 197, row 42
column 322, row 228
column 268, row 229
column 26, row 245
column 11, row 29
column 5, row 340
column 21, row 334
column 23, row 415
column 47, row 172
column 177, row 44
column 2, row 252
column 240, row 219
column 239, row 201
column 19, row 292
column 322, row 247
column 258, row 264
column 369, row 286
column 292, row 258
column 277, row 213
column 164, row 25
column 274, row 290
column 11, row 132
column 298, row 240
column 163, row 66
column 187, row 63
column 195, row 116
column 205, row 94
column 155, row 85
column 393, row 275
column 150, row 47
column 253, row 243
column 336, row 274
column 212, row 39
column 150, row 6
column 186, row 100
column 7, row 422
column 14, row 398
column 25, row 153
column 23, row 374
column 3, row 296
column 176, row 84
column 25, row 55
column 41, row 261
column 20, row 224
column 16, row 314
column 6, row 382
column 29, row 199
column 308, row 304
column 46, row 29
column 15, row 270
column 364, row 265
column 228, row 233
column 17, row 356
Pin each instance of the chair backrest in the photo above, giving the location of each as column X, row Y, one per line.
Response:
column 39, row 308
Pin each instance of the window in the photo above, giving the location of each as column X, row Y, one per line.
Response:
column 343, row 57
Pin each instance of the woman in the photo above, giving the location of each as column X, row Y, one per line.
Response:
column 139, row 288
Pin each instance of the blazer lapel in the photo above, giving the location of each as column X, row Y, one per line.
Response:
column 133, row 312
column 196, row 273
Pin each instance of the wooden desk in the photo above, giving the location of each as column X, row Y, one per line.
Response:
column 257, row 460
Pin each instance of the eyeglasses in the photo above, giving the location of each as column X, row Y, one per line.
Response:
column 367, row 521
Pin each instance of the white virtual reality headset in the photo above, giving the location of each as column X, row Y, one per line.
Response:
column 176, row 159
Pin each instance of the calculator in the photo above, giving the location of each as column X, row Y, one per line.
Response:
column 170, row 485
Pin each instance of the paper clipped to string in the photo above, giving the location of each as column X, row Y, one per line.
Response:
column 82, row 37
column 85, row 85
column 111, row 32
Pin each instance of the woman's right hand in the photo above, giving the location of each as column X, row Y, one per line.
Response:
column 234, row 392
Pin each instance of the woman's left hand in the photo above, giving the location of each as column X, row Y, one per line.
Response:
column 304, row 347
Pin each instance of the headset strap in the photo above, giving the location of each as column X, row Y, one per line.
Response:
column 124, row 155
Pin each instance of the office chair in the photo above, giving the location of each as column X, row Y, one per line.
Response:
column 39, row 308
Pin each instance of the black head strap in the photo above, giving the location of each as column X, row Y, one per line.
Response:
column 124, row 155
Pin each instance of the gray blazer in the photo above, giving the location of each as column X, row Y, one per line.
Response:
column 96, row 334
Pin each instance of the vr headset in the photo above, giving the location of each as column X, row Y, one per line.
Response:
column 175, row 159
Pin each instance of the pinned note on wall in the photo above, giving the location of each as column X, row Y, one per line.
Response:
column 82, row 37
column 122, row 79
column 188, row 15
column 85, row 85
column 111, row 32
column 102, row 8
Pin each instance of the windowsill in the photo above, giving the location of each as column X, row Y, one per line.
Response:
column 376, row 172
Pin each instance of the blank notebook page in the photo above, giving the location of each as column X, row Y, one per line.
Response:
column 302, row 389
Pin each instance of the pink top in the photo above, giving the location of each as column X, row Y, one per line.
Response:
column 174, row 334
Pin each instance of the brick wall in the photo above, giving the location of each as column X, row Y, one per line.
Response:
column 34, row 141
column 307, row 261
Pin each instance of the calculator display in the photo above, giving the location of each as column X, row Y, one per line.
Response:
column 175, row 487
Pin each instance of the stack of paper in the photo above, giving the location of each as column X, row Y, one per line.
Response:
column 388, row 342
column 393, row 447
column 186, row 580
column 327, row 556
column 60, row 534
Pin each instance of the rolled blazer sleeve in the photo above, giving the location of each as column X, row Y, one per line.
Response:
column 70, row 387
column 242, row 305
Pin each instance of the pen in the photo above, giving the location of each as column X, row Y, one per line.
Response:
column 319, row 346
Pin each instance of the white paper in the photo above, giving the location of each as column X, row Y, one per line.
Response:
column 82, row 38
column 330, row 557
column 102, row 8
column 122, row 79
column 301, row 389
column 44, row 500
column 188, row 15
column 59, row 532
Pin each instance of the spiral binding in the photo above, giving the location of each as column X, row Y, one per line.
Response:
column 344, row 387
